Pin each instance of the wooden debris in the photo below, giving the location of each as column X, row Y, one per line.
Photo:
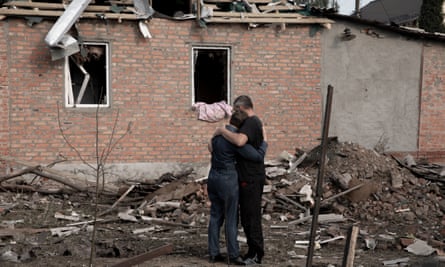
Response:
column 58, row 176
column 342, row 193
column 322, row 218
column 73, row 217
column 117, row 201
column 85, row 222
column 22, row 8
column 161, row 221
column 348, row 256
column 296, row 204
column 64, row 231
column 16, row 231
column 396, row 262
column 252, row 13
column 146, row 256
column 144, row 230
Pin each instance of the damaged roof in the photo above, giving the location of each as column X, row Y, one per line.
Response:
column 400, row 12
column 207, row 11
column 409, row 32
column 250, row 12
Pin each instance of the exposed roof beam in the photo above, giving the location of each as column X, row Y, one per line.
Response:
column 55, row 13
column 302, row 20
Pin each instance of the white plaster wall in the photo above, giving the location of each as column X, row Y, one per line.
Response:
column 376, row 87
column 116, row 173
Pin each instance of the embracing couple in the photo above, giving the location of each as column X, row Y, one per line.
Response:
column 235, row 184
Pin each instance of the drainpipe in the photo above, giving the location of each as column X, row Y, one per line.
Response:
column 66, row 21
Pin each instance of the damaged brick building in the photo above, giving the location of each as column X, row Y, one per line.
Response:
column 144, row 71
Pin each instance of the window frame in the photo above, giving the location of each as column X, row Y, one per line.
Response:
column 228, row 70
column 68, row 90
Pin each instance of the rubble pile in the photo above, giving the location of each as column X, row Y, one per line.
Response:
column 393, row 202
column 388, row 193
column 391, row 194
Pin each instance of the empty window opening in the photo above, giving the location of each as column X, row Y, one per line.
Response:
column 211, row 74
column 87, row 76
column 172, row 8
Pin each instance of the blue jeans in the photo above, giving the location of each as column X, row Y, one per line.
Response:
column 222, row 187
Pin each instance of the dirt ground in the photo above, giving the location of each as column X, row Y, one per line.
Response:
column 385, row 215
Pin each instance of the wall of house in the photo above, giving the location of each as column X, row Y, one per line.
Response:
column 388, row 90
column 4, row 93
column 432, row 108
column 151, row 90
column 376, row 87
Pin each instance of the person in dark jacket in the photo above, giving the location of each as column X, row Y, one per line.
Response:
column 223, row 191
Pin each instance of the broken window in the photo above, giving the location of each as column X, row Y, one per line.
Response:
column 86, row 75
column 172, row 8
column 211, row 74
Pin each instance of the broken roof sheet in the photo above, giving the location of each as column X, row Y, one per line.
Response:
column 392, row 11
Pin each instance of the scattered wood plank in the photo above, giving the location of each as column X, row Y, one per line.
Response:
column 342, row 193
column 348, row 257
column 15, row 231
column 161, row 221
column 65, row 178
column 119, row 200
column 322, row 218
column 296, row 204
column 269, row 8
column 145, row 256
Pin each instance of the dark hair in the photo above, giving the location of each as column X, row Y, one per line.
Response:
column 243, row 101
column 238, row 118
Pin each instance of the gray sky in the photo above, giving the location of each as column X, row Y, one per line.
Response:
column 348, row 6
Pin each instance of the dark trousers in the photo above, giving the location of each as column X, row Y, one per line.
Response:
column 222, row 187
column 250, row 214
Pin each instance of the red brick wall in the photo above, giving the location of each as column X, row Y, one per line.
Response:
column 4, row 97
column 432, row 105
column 151, row 88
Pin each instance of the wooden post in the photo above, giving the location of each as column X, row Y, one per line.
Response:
column 198, row 10
column 318, row 193
column 348, row 257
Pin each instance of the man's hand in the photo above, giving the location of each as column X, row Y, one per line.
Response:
column 264, row 134
column 218, row 131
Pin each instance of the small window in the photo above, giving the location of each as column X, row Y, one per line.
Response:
column 211, row 74
column 86, row 73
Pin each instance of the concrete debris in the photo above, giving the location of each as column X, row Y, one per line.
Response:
column 361, row 187
column 396, row 261
column 420, row 247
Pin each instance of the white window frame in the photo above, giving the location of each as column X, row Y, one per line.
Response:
column 194, row 52
column 70, row 102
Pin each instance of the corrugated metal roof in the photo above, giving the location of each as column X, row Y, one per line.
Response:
column 400, row 12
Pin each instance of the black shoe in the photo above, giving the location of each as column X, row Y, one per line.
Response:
column 252, row 261
column 217, row 258
column 237, row 261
